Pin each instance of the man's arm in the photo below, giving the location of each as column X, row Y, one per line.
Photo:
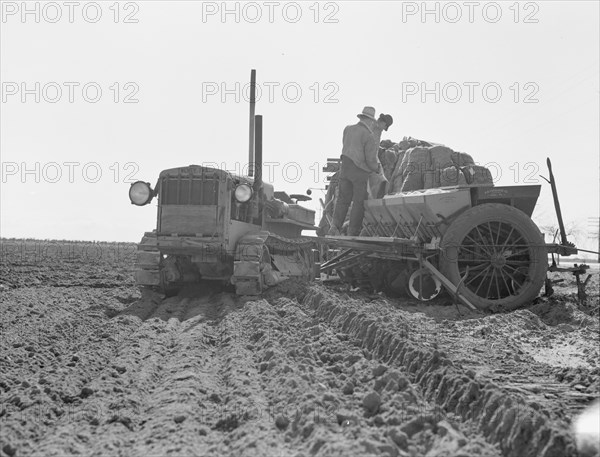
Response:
column 344, row 136
column 371, row 158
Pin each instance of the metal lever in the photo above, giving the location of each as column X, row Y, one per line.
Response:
column 563, row 234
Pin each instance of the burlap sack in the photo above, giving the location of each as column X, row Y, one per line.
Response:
column 396, row 178
column 413, row 165
column 476, row 174
column 407, row 143
column 389, row 158
column 452, row 176
column 386, row 144
column 441, row 157
column 461, row 159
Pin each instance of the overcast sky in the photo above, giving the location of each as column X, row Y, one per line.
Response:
column 509, row 83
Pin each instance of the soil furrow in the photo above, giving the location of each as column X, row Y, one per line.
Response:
column 519, row 427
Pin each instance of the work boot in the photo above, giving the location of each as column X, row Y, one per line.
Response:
column 334, row 231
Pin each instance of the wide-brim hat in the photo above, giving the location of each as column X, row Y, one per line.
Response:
column 368, row 111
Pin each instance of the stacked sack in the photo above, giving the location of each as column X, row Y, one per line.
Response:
column 412, row 165
column 415, row 164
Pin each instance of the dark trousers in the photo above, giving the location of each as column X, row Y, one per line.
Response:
column 352, row 189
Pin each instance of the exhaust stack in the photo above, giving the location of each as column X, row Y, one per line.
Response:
column 258, row 154
column 252, row 121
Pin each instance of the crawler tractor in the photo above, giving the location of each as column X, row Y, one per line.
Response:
column 476, row 241
column 215, row 225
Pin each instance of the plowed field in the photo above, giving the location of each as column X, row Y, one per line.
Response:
column 89, row 366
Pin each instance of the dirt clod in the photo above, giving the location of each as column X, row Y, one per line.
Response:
column 348, row 388
column 398, row 437
column 379, row 370
column 86, row 392
column 9, row 450
column 282, row 422
column 371, row 402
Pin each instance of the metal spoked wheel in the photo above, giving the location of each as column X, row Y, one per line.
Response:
column 499, row 252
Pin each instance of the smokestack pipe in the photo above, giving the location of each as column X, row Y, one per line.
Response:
column 252, row 129
column 258, row 153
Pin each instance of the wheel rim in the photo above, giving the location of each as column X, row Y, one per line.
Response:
column 495, row 257
column 423, row 286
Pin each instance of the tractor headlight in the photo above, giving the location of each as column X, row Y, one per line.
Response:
column 243, row 193
column 140, row 193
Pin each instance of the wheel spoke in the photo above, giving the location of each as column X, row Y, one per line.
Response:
column 517, row 262
column 517, row 271
column 512, row 229
column 497, row 286
column 473, row 268
column 481, row 282
column 516, row 246
column 483, row 240
column 492, row 236
column 487, row 294
column 473, row 261
column 499, row 232
column 504, row 281
column 513, row 242
column 511, row 267
column 473, row 252
column 475, row 242
column 525, row 251
column 477, row 275
column 513, row 278
column 481, row 245
column 517, row 240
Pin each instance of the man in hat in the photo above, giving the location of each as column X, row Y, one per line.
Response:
column 383, row 123
column 359, row 159
column 377, row 181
